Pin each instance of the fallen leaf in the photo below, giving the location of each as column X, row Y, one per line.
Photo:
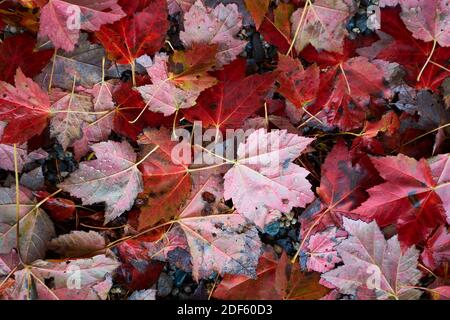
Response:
column 62, row 21
column 162, row 95
column 214, row 26
column 142, row 31
column 374, row 268
column 112, row 178
column 265, row 179
column 25, row 108
column 408, row 198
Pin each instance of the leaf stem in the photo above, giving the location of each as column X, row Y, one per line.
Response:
column 206, row 168
column 297, row 30
column 16, row 175
column 81, row 112
column 266, row 116
column 174, row 124
column 428, row 60
column 119, row 241
column 102, row 228
column 133, row 73
column 345, row 78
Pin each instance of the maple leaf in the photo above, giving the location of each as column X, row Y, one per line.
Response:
column 35, row 227
column 374, row 268
column 25, row 109
column 345, row 91
column 112, row 178
column 214, row 26
column 18, row 52
column 264, row 178
column 94, row 278
column 167, row 183
column 322, row 24
column 296, row 84
column 62, row 21
column 410, row 52
column 78, row 244
column 321, row 253
column 342, row 189
column 408, row 198
column 141, row 32
column 226, row 105
column 162, row 95
column 70, row 115
column 277, row 280
column 134, row 66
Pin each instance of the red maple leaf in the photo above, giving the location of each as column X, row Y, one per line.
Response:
column 25, row 108
column 226, row 105
column 409, row 198
column 342, row 189
column 141, row 31
column 412, row 53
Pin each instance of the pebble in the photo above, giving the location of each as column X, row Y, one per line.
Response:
column 187, row 289
column 165, row 285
